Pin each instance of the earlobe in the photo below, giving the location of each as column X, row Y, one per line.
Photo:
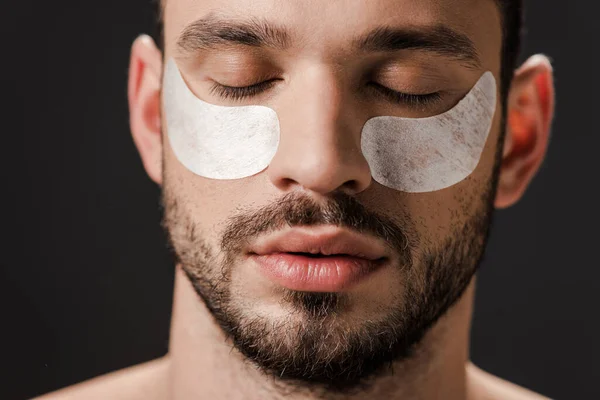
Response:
column 144, row 104
column 529, row 117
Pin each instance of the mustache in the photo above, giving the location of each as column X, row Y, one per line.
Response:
column 338, row 209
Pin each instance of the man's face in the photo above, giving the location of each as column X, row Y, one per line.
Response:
column 424, row 247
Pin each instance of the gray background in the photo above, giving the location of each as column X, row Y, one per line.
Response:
column 85, row 277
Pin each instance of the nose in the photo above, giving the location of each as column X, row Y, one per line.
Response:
column 319, row 146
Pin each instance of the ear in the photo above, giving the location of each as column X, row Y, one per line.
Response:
column 143, row 92
column 529, row 118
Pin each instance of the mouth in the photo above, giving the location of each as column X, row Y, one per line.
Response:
column 318, row 259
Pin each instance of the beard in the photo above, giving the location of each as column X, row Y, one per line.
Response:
column 315, row 345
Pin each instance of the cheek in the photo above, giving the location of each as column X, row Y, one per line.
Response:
column 438, row 215
column 202, row 201
column 210, row 203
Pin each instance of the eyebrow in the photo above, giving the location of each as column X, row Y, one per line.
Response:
column 438, row 39
column 212, row 32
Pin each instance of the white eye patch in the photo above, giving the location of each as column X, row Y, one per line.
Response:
column 406, row 154
column 214, row 141
column 426, row 154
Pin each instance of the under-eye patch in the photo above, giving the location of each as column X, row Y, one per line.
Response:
column 407, row 154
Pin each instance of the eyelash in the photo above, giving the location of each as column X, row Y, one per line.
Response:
column 412, row 100
column 239, row 93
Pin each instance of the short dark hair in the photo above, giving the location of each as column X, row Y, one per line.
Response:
column 511, row 12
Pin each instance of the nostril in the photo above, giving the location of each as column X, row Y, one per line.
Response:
column 287, row 183
column 352, row 185
column 319, row 171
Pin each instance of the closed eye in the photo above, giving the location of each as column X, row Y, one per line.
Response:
column 237, row 93
column 241, row 92
column 410, row 99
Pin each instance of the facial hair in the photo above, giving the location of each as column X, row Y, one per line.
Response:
column 316, row 346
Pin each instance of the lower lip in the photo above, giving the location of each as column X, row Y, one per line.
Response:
column 315, row 274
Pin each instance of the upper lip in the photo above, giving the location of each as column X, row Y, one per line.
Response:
column 325, row 240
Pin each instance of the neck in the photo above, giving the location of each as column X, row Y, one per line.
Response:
column 203, row 365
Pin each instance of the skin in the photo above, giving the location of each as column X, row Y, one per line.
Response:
column 321, row 115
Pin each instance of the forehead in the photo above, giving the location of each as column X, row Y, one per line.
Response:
column 326, row 26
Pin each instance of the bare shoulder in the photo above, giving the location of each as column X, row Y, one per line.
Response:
column 485, row 386
column 147, row 381
column 143, row 381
